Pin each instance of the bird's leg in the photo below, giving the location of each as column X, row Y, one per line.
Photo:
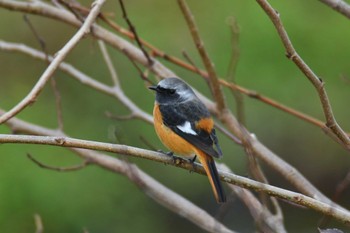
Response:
column 193, row 159
column 192, row 162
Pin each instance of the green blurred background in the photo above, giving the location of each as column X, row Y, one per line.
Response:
column 101, row 201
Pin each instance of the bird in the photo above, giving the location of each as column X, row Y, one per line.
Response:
column 184, row 125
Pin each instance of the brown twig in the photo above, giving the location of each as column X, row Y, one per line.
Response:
column 331, row 122
column 59, row 169
column 133, row 30
column 214, row 81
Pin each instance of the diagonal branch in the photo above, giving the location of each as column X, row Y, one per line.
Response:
column 115, row 91
column 331, row 122
column 61, row 54
column 214, row 81
column 339, row 5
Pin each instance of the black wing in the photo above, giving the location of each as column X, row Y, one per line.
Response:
column 177, row 115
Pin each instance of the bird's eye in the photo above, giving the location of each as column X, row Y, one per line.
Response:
column 171, row 91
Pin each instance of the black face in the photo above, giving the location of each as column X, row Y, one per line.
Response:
column 165, row 95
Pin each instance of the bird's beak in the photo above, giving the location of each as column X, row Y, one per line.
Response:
column 153, row 88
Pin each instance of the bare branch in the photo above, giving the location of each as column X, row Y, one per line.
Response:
column 53, row 81
column 214, row 83
column 150, row 186
column 297, row 198
column 82, row 78
column 331, row 122
column 59, row 169
column 109, row 63
column 61, row 54
column 339, row 5
column 133, row 30
column 262, row 216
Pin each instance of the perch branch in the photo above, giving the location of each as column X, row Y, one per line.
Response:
column 147, row 184
column 63, row 141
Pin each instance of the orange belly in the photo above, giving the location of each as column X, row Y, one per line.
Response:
column 171, row 140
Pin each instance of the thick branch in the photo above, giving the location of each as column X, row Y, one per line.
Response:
column 160, row 157
column 149, row 185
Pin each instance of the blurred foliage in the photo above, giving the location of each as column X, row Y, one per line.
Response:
column 101, row 201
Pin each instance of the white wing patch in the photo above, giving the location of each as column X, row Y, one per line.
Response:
column 186, row 128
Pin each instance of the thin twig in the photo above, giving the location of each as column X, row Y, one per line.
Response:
column 61, row 54
column 231, row 73
column 190, row 60
column 133, row 30
column 59, row 169
column 243, row 182
column 331, row 122
column 141, row 73
column 52, row 80
column 214, row 81
column 109, row 63
column 120, row 118
column 147, row 143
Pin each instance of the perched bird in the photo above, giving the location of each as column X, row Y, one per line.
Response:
column 184, row 125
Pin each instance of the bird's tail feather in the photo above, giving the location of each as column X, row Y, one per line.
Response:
column 209, row 166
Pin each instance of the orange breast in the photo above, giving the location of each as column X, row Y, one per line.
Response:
column 171, row 140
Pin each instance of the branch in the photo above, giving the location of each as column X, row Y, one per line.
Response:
column 147, row 184
column 109, row 63
column 133, row 30
column 61, row 54
column 271, row 159
column 59, row 169
column 339, row 5
column 115, row 91
column 160, row 157
column 331, row 122
column 214, row 82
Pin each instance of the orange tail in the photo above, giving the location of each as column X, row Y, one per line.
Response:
column 209, row 166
